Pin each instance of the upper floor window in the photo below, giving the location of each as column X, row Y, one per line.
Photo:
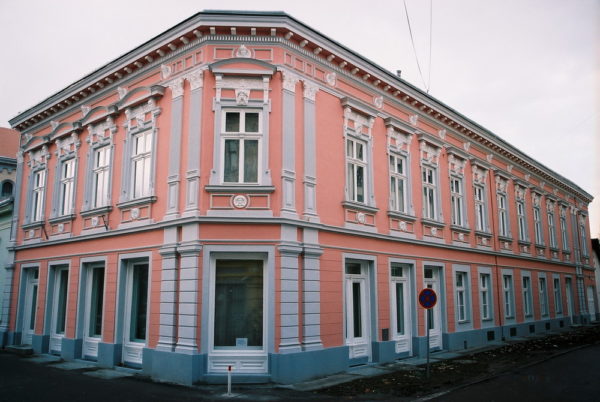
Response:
column 537, row 222
column 241, row 141
column 584, row 245
column 7, row 189
column 502, row 216
column 429, row 192
column 480, row 212
column 486, row 296
column 456, row 191
column 551, row 228
column 101, row 177
column 563, row 232
column 141, row 157
column 67, row 186
column 398, row 183
column 37, row 199
column 356, row 161
column 522, row 220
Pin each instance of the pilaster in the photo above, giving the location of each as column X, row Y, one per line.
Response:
column 174, row 148
column 288, row 174
column 311, row 291
column 310, row 151
column 289, row 251
column 194, row 144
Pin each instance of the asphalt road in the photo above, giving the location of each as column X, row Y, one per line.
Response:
column 574, row 376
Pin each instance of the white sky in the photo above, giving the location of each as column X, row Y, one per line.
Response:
column 528, row 70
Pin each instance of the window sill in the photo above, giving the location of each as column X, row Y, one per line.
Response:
column 433, row 223
column 239, row 188
column 540, row 245
column 137, row 201
column 32, row 225
column 504, row 238
column 401, row 215
column 359, row 206
column 524, row 243
column 63, row 218
column 462, row 229
column 484, row 234
column 555, row 249
column 96, row 211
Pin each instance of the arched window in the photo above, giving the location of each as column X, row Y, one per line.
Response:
column 7, row 188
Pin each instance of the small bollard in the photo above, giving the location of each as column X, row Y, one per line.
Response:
column 229, row 369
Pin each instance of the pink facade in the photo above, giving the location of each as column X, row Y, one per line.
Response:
column 244, row 191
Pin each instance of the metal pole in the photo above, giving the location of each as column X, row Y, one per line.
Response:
column 427, row 323
column 229, row 381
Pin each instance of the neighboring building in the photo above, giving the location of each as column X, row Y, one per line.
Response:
column 593, row 302
column 9, row 145
column 243, row 191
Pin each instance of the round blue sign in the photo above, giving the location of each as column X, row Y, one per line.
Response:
column 427, row 298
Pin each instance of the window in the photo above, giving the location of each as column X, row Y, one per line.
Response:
column 101, row 176
column 400, row 298
column 551, row 229
column 141, row 157
column 67, row 186
column 507, row 287
column 584, row 246
column 37, row 200
column 543, row 297
column 398, row 183
column 522, row 220
column 502, row 216
column 527, row 297
column 7, row 189
column 557, row 296
column 480, row 216
column 563, row 232
column 537, row 222
column 429, row 193
column 486, row 296
column 461, row 296
column 356, row 165
column 457, row 201
column 241, row 142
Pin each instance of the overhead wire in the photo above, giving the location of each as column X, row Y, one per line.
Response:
column 412, row 40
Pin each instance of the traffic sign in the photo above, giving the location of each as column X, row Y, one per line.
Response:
column 427, row 298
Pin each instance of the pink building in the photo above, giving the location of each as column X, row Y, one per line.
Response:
column 243, row 191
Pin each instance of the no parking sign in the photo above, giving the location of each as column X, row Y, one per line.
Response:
column 427, row 298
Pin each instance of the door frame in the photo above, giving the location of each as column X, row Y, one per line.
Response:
column 123, row 310
column 24, row 302
column 55, row 342
column 86, row 267
column 436, row 341
column 370, row 326
column 404, row 343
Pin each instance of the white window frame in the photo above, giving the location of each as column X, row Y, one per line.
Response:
column 67, row 187
column 141, row 164
column 101, row 187
column 502, row 216
column 241, row 136
column 583, row 237
column 461, row 291
column 485, row 294
column 355, row 161
column 38, row 191
column 563, row 233
column 430, row 188
column 480, row 207
column 457, row 201
column 543, row 292
column 527, row 295
column 522, row 221
column 537, row 223
column 552, row 229
column 398, row 202
column 557, row 295
column 508, row 295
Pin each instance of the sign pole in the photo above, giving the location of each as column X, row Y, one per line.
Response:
column 427, row 323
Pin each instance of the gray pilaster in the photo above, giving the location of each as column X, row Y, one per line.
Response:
column 174, row 148
column 289, row 251
column 311, row 291
column 288, row 174
column 168, row 293
column 194, row 144
column 310, row 152
column 187, row 321
column 6, row 299
column 17, row 201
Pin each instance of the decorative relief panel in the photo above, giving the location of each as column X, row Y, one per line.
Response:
column 361, row 125
column 67, row 146
column 479, row 174
column 456, row 164
column 398, row 140
column 360, row 217
column 430, row 152
column 400, row 225
column 243, row 88
column 38, row 157
column 501, row 184
column 240, row 202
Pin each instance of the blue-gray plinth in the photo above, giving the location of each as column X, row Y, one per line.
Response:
column 109, row 354
column 71, row 348
column 40, row 343
column 295, row 367
column 175, row 367
column 384, row 352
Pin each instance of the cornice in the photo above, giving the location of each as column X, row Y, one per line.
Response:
column 248, row 27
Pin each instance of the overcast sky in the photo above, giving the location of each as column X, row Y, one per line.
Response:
column 528, row 70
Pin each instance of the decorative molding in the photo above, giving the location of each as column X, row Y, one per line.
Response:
column 289, row 80
column 378, row 101
column 489, row 158
column 53, row 124
column 122, row 92
column 310, row 90
column 243, row 52
column 442, row 133
column 331, row 78
column 195, row 79
column 176, row 87
column 456, row 164
column 165, row 71
column 413, row 119
column 501, row 184
column 85, row 109
column 241, row 96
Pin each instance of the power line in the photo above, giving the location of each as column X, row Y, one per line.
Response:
column 426, row 85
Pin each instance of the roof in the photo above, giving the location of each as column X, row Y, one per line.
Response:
column 9, row 142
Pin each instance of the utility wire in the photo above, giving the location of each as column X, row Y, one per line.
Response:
column 414, row 47
column 430, row 42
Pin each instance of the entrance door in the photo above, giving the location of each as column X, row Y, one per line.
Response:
column 431, row 280
column 401, row 307
column 136, row 312
column 591, row 304
column 30, row 307
column 358, row 318
column 59, row 308
column 238, row 317
column 94, row 297
column 569, row 294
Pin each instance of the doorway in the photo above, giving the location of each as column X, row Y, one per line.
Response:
column 432, row 280
column 31, row 276
column 358, row 309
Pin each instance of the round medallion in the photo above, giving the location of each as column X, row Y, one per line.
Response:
column 61, row 227
column 31, row 233
column 484, row 241
column 94, row 221
column 135, row 213
column 434, row 231
column 402, row 225
column 461, row 237
column 239, row 201
column 360, row 217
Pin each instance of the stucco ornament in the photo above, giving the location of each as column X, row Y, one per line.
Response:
column 195, row 79
column 461, row 237
column 61, row 227
column 242, row 96
column 378, row 101
column 31, row 233
column 331, row 78
column 94, row 221
column 413, row 119
column 53, row 124
column 442, row 133
column 85, row 109
column 310, row 90
column 122, row 92
column 165, row 71
column 402, row 225
column 135, row 213
column 289, row 81
column 243, row 51
column 360, row 217
column 239, row 201
column 434, row 231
